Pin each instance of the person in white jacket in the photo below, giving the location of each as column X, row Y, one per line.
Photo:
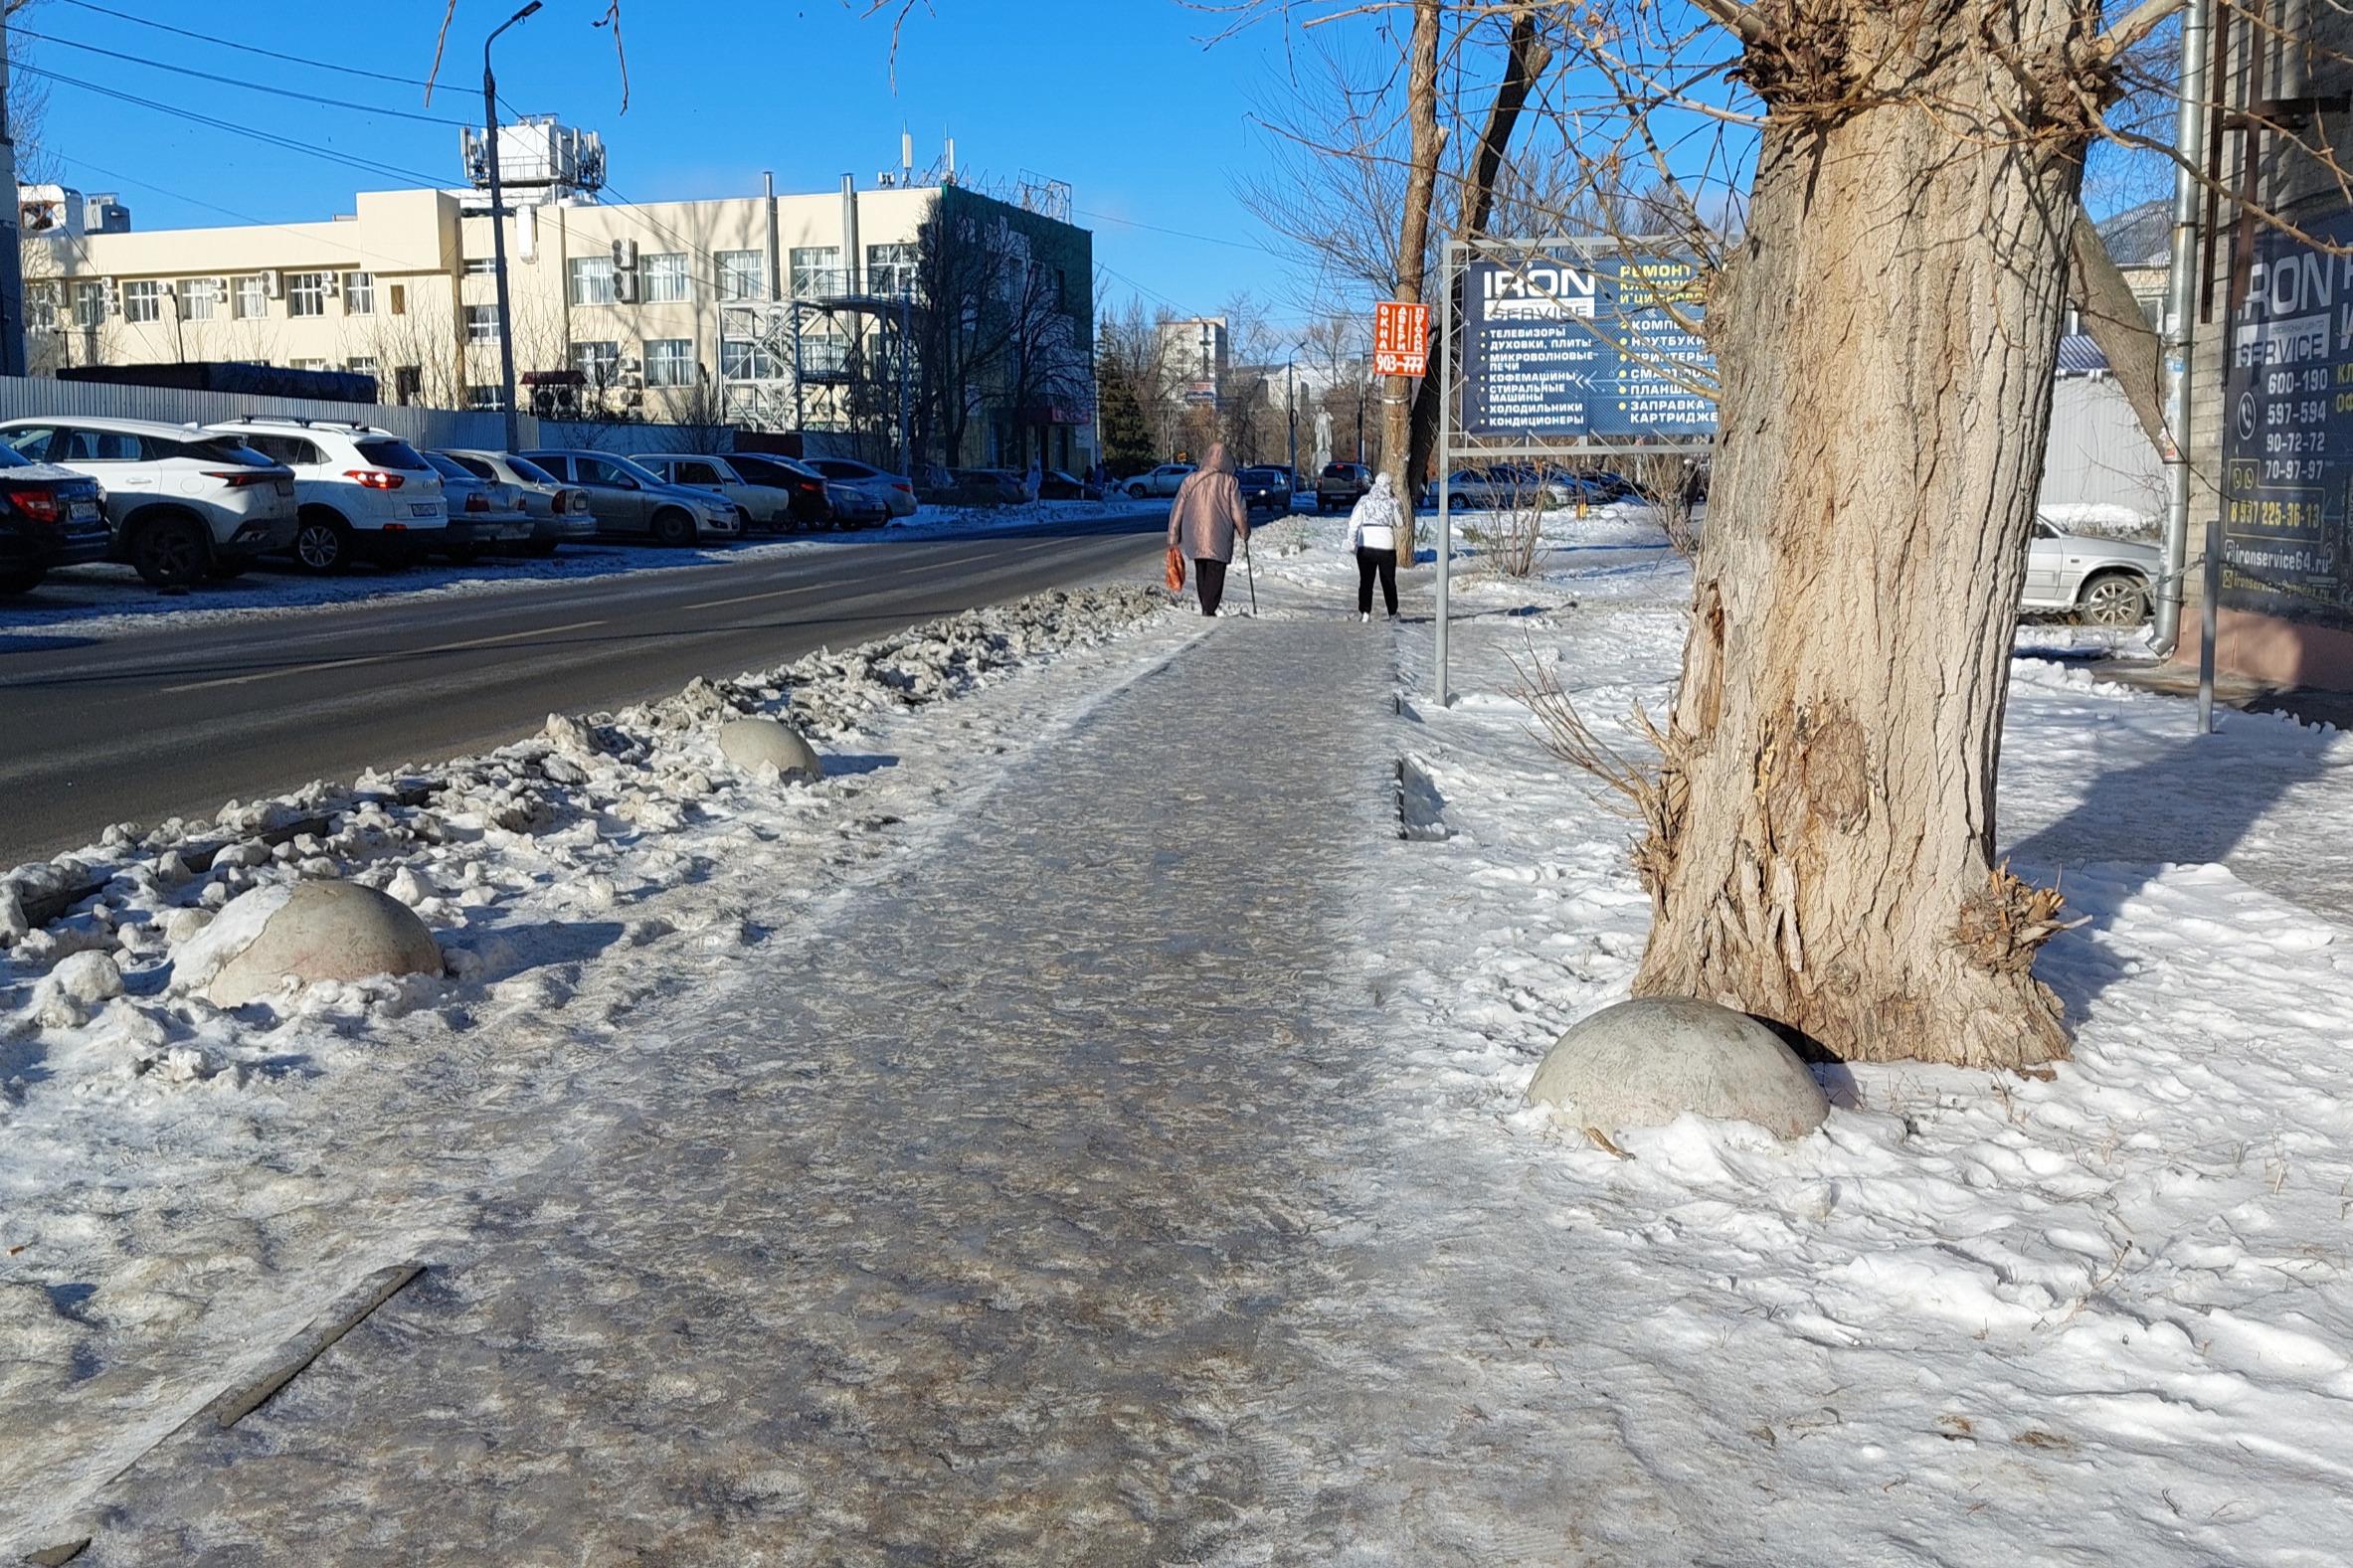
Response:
column 1372, row 539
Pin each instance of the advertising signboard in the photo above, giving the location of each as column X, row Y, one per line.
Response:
column 1400, row 340
column 1576, row 347
column 2287, row 432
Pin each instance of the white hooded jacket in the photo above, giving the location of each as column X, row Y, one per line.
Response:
column 1373, row 522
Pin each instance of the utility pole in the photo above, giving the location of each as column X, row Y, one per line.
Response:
column 1291, row 410
column 506, row 335
column 12, row 277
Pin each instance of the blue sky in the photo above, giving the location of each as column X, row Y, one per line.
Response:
column 1120, row 97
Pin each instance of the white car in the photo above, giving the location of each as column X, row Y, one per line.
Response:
column 895, row 491
column 2107, row 581
column 1167, row 480
column 182, row 502
column 765, row 506
column 362, row 493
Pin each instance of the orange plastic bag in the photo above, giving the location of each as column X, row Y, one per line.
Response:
column 1175, row 570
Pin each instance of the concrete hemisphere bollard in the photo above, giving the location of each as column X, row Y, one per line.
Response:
column 313, row 931
column 747, row 743
column 1643, row 1063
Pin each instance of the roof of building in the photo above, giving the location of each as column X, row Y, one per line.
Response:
column 2080, row 356
column 2139, row 235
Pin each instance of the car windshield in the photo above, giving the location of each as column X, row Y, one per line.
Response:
column 229, row 449
column 10, row 457
column 446, row 467
column 529, row 473
column 637, row 470
column 387, row 451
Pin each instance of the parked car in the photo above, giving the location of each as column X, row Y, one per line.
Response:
column 630, row 501
column 1164, row 481
column 765, row 506
column 855, row 506
column 810, row 509
column 362, row 493
column 559, row 513
column 2107, row 582
column 48, row 517
column 484, row 514
column 180, row 501
column 1341, row 484
column 1265, row 489
column 1486, row 490
column 1055, row 486
column 895, row 490
column 987, row 487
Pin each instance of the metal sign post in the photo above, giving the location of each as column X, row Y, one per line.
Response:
column 1448, row 270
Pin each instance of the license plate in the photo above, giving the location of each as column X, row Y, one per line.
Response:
column 85, row 511
column 424, row 509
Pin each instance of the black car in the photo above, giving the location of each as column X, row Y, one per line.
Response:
column 989, row 487
column 1265, row 489
column 48, row 517
column 810, row 508
column 1055, row 486
column 1343, row 484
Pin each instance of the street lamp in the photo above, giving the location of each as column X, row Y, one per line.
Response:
column 506, row 338
column 1291, row 409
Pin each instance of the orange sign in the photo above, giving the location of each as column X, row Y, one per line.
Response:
column 1400, row 340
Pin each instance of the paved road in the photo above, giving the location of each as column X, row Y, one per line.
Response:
column 177, row 720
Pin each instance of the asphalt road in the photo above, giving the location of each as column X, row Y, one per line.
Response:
column 176, row 721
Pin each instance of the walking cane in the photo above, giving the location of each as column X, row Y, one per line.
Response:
column 1251, row 568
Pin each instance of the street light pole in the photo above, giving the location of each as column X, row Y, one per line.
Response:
column 506, row 337
column 1291, row 411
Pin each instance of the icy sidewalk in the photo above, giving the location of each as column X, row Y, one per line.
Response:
column 998, row 1224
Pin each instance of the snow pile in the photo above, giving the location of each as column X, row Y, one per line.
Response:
column 2101, row 1315
column 2106, row 519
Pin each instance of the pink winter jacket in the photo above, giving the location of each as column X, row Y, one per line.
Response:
column 1208, row 513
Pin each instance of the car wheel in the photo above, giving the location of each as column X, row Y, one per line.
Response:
column 322, row 545
column 2114, row 599
column 1134, row 492
column 21, row 579
column 174, row 553
column 673, row 530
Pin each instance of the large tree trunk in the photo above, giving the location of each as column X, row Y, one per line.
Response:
column 1413, row 244
column 1823, row 854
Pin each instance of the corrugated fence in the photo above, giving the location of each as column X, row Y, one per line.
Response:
column 2098, row 453
column 37, row 397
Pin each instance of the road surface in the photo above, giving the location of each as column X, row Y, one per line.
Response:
column 178, row 720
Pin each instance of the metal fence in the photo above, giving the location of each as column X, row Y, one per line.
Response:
column 2097, row 454
column 24, row 397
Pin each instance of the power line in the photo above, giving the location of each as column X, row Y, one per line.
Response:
column 1181, row 234
column 248, row 48
column 249, row 87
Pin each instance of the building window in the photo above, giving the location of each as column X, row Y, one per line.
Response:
column 361, row 364
column 667, row 278
column 307, row 363
column 489, row 399
column 669, row 362
column 599, row 364
column 251, row 302
column 748, row 359
column 200, row 298
column 743, row 275
column 90, row 305
column 481, row 266
column 359, row 293
column 817, row 269
column 306, row 293
column 890, row 269
column 481, row 323
column 592, row 279
column 824, row 354
column 40, row 308
column 142, row 300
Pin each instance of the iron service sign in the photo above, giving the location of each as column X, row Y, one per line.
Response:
column 2287, row 432
column 1589, row 347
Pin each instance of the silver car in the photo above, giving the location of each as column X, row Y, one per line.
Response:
column 895, row 491
column 2107, row 582
column 630, row 501
column 558, row 512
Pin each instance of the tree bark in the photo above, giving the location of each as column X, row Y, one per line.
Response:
column 1413, row 243
column 1822, row 852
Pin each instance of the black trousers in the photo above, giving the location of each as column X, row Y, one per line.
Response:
column 1371, row 563
column 1211, row 577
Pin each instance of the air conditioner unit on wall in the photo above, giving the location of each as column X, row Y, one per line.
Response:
column 273, row 285
column 624, row 288
column 625, row 254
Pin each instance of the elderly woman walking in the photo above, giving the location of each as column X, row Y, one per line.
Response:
column 1208, row 516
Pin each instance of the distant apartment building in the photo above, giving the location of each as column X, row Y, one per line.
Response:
column 776, row 313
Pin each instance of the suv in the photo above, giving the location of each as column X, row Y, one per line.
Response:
column 1167, row 480
column 765, row 506
column 362, row 493
column 1268, row 489
column 1341, row 484
column 629, row 499
column 182, row 501
column 895, row 491
column 48, row 517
